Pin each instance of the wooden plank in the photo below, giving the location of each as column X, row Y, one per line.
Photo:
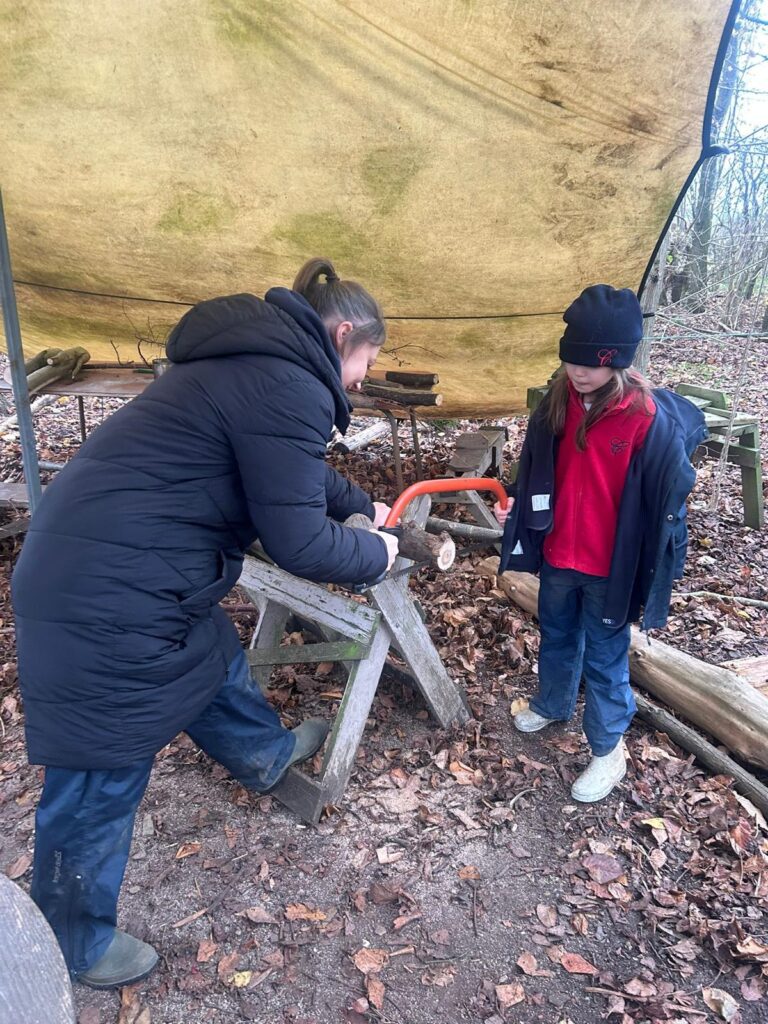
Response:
column 480, row 511
column 302, row 795
column 738, row 455
column 302, row 654
column 311, row 600
column 720, row 420
column 268, row 634
column 534, row 397
column 715, row 398
column 34, row 981
column 353, row 712
column 411, row 637
column 12, row 495
column 106, row 383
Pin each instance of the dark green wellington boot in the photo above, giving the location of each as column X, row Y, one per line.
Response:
column 125, row 961
column 310, row 736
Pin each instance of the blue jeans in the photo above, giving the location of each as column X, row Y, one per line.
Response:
column 576, row 642
column 84, row 820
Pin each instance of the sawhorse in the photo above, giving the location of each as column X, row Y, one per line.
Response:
column 742, row 435
column 359, row 636
column 477, row 454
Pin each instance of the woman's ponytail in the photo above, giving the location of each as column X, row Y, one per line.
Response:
column 335, row 300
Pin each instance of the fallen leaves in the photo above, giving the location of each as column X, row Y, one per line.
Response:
column 469, row 873
column 301, row 912
column 188, row 850
column 573, row 963
column 464, row 775
column 131, row 1009
column 546, row 914
column 509, row 995
column 603, row 867
column 440, row 977
column 370, row 961
column 528, row 965
column 375, row 991
column 206, row 950
column 19, row 867
column 721, row 1002
column 259, row 915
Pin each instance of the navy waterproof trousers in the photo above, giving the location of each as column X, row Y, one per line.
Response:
column 85, row 819
column 574, row 642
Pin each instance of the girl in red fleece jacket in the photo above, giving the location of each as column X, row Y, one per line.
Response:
column 596, row 414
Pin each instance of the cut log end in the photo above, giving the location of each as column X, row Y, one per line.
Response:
column 416, row 544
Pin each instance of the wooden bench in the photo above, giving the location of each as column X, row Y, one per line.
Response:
column 741, row 434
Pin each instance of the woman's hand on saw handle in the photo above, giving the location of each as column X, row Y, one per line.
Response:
column 392, row 545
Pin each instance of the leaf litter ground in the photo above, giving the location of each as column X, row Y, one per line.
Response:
column 458, row 881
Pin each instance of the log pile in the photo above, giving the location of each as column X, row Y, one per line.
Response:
column 53, row 364
column 397, row 389
column 711, row 697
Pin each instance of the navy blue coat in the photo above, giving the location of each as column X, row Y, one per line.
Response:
column 120, row 638
column 651, row 533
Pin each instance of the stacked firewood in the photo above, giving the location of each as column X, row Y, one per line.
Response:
column 397, row 388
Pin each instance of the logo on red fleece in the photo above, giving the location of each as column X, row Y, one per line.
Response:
column 605, row 355
column 618, row 446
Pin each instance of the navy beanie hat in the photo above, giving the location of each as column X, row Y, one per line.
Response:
column 603, row 328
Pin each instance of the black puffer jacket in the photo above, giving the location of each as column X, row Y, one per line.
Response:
column 120, row 638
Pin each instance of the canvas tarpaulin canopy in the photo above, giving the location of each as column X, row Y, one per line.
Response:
column 474, row 164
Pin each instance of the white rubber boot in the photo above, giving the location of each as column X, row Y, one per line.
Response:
column 531, row 721
column 600, row 776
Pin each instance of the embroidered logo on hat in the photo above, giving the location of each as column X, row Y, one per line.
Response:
column 605, row 355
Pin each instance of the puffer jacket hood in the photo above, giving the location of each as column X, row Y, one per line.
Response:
column 240, row 324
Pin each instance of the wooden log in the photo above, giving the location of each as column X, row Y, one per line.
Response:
column 70, row 356
column 415, row 543
column 59, row 365
column 362, row 437
column 401, row 396
column 374, row 405
column 37, row 405
column 408, row 378
column 39, row 360
column 713, row 698
column 466, row 531
column 705, row 752
column 34, row 981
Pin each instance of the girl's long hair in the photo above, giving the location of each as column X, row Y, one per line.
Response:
column 335, row 301
column 622, row 383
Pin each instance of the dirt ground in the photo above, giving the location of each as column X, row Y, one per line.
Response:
column 458, row 881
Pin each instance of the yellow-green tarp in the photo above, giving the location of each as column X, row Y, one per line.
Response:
column 474, row 163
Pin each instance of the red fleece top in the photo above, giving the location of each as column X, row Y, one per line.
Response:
column 589, row 484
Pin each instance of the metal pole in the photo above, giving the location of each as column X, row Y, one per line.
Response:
column 18, row 376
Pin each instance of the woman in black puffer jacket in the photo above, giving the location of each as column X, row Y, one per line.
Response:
column 121, row 640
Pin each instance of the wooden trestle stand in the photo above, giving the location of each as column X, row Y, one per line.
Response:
column 359, row 636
